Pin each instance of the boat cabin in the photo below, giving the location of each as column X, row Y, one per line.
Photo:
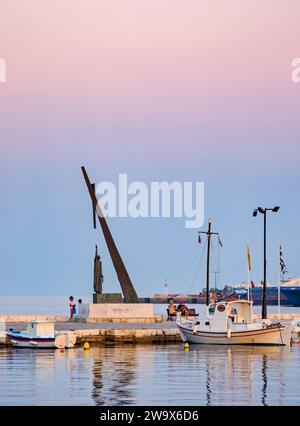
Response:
column 239, row 311
column 234, row 315
column 42, row 329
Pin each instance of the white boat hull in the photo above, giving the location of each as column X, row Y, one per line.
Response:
column 273, row 335
column 20, row 340
column 22, row 343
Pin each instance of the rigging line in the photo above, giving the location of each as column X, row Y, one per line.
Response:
column 214, row 256
column 197, row 267
column 219, row 265
column 216, row 265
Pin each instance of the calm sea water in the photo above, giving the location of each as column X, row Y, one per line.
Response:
column 151, row 375
column 145, row 374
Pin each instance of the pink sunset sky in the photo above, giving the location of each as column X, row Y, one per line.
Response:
column 158, row 89
column 132, row 61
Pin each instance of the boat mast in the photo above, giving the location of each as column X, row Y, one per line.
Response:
column 209, row 234
column 207, row 262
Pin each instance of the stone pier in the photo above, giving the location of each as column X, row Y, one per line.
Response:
column 118, row 313
column 112, row 333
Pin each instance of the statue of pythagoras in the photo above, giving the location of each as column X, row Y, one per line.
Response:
column 98, row 277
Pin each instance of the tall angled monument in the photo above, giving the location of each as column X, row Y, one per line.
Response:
column 128, row 290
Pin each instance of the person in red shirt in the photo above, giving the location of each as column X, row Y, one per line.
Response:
column 72, row 307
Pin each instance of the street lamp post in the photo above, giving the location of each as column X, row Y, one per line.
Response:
column 264, row 210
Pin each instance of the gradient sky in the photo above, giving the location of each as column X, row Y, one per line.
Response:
column 161, row 90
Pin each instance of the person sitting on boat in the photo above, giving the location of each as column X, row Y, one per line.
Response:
column 233, row 313
column 182, row 308
column 214, row 297
column 171, row 310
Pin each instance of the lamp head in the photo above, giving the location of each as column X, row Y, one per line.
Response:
column 276, row 208
column 255, row 213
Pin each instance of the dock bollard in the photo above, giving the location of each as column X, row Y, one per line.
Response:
column 86, row 346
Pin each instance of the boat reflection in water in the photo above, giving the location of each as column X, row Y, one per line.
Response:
column 151, row 375
column 242, row 376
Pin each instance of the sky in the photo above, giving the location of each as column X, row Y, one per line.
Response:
column 162, row 90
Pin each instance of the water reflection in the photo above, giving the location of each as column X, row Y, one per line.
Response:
column 231, row 373
column 114, row 370
column 151, row 375
column 208, row 384
column 264, row 380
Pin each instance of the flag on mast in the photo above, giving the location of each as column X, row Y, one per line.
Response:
column 248, row 258
column 220, row 242
column 282, row 264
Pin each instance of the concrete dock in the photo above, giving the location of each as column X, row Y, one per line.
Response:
column 116, row 332
column 107, row 332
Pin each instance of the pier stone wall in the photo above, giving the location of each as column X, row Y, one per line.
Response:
column 129, row 312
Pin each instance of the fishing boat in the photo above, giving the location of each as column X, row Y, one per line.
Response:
column 41, row 334
column 231, row 323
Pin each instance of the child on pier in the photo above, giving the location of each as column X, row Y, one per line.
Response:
column 72, row 307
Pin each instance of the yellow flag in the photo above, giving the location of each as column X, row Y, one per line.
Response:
column 249, row 258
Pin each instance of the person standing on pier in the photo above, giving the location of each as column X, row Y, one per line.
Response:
column 72, row 307
column 79, row 306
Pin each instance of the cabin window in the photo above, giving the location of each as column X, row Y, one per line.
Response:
column 207, row 323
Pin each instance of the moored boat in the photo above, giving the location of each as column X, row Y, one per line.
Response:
column 231, row 323
column 41, row 334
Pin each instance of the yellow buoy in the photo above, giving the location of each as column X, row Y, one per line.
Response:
column 186, row 345
column 86, row 346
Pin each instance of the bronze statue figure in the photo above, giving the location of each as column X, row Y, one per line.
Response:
column 98, row 277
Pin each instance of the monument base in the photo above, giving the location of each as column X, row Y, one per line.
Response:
column 107, row 298
column 118, row 312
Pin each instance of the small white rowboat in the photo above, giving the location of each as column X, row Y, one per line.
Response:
column 40, row 334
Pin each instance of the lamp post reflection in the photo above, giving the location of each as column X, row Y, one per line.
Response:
column 208, row 385
column 264, row 380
